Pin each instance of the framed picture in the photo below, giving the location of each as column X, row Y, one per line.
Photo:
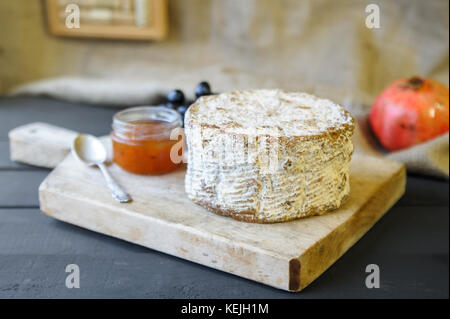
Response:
column 111, row 19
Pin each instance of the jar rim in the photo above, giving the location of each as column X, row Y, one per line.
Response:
column 123, row 120
column 147, row 112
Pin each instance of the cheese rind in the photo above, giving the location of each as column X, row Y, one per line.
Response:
column 268, row 155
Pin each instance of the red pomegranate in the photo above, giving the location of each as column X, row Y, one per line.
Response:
column 409, row 112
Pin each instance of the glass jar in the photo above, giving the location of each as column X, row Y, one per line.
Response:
column 141, row 139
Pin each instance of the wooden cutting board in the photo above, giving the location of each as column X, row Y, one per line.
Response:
column 288, row 255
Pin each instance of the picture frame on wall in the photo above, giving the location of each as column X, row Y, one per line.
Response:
column 108, row 19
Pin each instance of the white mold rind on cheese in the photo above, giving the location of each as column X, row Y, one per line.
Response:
column 268, row 155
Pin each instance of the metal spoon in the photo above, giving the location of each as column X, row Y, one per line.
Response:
column 90, row 150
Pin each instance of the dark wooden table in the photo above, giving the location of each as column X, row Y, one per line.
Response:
column 409, row 244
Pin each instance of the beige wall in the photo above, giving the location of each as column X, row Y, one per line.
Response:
column 296, row 41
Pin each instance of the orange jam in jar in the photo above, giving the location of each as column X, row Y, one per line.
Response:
column 141, row 139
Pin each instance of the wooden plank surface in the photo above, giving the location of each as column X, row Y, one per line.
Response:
column 19, row 188
column 285, row 255
column 410, row 246
column 77, row 117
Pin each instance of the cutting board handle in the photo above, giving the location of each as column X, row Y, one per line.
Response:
column 40, row 144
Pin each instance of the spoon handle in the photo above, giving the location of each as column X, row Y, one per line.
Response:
column 117, row 192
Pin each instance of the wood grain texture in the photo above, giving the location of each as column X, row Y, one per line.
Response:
column 286, row 255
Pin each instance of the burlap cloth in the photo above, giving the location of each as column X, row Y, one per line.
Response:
column 317, row 46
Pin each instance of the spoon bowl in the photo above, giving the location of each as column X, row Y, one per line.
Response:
column 89, row 149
